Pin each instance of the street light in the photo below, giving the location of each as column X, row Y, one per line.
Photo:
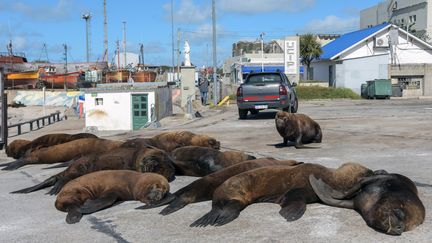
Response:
column 262, row 51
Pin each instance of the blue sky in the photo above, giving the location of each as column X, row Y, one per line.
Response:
column 31, row 23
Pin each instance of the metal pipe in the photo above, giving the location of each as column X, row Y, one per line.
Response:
column 172, row 38
column 124, row 43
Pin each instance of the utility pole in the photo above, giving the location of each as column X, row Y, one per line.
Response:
column 124, row 43
column 105, row 31
column 87, row 18
column 262, row 51
column 65, row 66
column 178, row 53
column 172, row 38
column 215, row 81
column 118, row 54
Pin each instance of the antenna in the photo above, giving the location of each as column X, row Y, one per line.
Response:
column 87, row 17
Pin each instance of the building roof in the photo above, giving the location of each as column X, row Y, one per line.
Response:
column 336, row 47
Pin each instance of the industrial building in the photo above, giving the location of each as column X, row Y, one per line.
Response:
column 413, row 14
column 381, row 52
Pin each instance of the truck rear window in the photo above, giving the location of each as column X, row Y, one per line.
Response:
column 265, row 78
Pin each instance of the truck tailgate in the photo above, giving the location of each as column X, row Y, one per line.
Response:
column 261, row 92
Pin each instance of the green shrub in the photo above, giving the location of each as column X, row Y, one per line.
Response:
column 316, row 92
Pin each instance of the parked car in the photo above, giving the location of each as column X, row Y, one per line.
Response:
column 266, row 90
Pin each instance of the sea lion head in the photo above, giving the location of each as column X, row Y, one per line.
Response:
column 284, row 122
column 156, row 161
column 16, row 149
column 389, row 216
column 205, row 141
column 152, row 188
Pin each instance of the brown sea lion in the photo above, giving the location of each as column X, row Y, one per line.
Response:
column 297, row 128
column 201, row 161
column 202, row 189
column 16, row 148
column 141, row 160
column 287, row 186
column 389, row 203
column 96, row 191
column 49, row 140
column 169, row 141
column 65, row 152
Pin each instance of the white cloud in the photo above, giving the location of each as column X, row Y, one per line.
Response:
column 60, row 11
column 202, row 34
column 264, row 6
column 188, row 12
column 331, row 25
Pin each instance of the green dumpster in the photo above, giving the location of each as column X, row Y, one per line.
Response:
column 379, row 89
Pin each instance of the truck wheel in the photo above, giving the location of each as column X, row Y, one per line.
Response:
column 254, row 112
column 242, row 114
column 294, row 106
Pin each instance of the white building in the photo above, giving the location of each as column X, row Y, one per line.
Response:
column 126, row 107
column 417, row 13
column 381, row 52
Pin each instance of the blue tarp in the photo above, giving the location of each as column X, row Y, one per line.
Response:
column 346, row 41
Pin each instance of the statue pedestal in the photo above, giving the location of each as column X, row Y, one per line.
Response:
column 188, row 88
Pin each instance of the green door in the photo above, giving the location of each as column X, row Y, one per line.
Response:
column 139, row 110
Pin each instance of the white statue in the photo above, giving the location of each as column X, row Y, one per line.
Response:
column 187, row 61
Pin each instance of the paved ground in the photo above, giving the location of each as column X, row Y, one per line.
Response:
column 393, row 135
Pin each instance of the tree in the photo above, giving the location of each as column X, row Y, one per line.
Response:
column 310, row 49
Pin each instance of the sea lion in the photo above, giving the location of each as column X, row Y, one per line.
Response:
column 297, row 128
column 201, row 161
column 95, row 191
column 64, row 152
column 203, row 188
column 287, row 186
column 169, row 141
column 16, row 148
column 389, row 203
column 49, row 140
column 141, row 160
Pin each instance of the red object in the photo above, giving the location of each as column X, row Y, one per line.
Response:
column 282, row 90
column 240, row 93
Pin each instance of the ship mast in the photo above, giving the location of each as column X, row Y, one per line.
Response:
column 105, row 31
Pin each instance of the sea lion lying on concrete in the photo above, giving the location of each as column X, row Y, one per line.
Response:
column 96, row 191
column 201, row 161
column 297, row 128
column 64, row 152
column 16, row 149
column 141, row 160
column 388, row 202
column 47, row 141
column 169, row 141
column 287, row 186
column 202, row 189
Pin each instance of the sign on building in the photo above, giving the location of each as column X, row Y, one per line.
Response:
column 291, row 57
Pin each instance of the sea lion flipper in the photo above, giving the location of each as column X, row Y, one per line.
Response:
column 73, row 216
column 57, row 187
column 15, row 164
column 91, row 206
column 324, row 192
column 174, row 206
column 166, row 200
column 48, row 182
column 61, row 165
column 293, row 211
column 216, row 217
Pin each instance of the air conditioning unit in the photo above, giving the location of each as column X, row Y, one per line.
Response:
column 382, row 42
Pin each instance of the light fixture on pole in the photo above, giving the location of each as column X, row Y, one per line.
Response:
column 262, row 51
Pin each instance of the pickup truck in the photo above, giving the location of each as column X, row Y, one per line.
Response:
column 266, row 90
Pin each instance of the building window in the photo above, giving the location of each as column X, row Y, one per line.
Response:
column 99, row 101
column 414, row 18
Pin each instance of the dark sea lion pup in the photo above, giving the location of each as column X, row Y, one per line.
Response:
column 202, row 189
column 64, row 152
column 201, row 161
column 287, row 186
column 16, row 149
column 141, row 160
column 388, row 202
column 297, row 128
column 96, row 191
